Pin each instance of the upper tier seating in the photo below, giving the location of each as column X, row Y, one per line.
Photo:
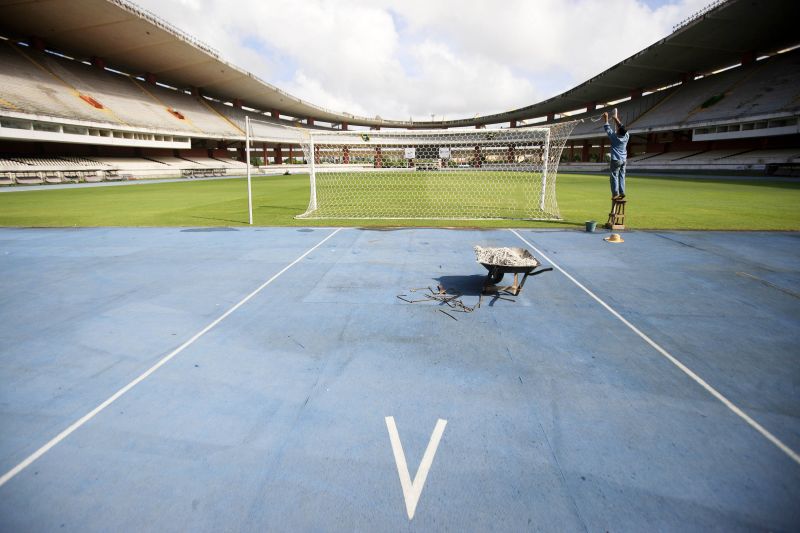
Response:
column 27, row 88
column 43, row 84
column 768, row 86
column 772, row 86
column 685, row 99
column 122, row 98
column 196, row 112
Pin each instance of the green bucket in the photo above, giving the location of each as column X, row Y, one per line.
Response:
column 591, row 225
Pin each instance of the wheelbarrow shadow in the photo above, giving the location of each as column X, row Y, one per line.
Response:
column 466, row 285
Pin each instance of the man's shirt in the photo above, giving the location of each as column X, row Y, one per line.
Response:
column 619, row 145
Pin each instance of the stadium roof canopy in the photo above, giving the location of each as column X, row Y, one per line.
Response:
column 135, row 40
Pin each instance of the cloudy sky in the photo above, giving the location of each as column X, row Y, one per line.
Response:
column 414, row 58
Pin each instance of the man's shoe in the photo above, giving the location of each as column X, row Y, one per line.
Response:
column 621, row 197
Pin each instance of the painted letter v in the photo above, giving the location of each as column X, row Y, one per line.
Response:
column 412, row 491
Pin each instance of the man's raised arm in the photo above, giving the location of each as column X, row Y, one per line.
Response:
column 616, row 118
column 606, row 127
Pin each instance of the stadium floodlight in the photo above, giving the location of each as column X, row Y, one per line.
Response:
column 435, row 174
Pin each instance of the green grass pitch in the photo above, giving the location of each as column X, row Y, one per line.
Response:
column 654, row 203
column 450, row 194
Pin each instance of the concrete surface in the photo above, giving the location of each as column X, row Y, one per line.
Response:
column 559, row 416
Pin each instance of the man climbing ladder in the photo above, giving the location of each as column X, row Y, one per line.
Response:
column 619, row 155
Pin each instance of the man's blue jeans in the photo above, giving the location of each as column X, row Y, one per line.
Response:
column 617, row 177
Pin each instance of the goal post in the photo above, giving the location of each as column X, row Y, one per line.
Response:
column 262, row 131
column 249, row 170
column 435, row 174
column 312, row 203
column 545, row 157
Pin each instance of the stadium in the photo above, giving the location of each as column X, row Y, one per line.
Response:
column 225, row 307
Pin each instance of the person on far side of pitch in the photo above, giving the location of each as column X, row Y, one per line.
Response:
column 619, row 155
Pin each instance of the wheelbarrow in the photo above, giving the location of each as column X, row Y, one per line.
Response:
column 527, row 265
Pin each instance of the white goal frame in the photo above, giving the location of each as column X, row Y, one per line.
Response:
column 517, row 161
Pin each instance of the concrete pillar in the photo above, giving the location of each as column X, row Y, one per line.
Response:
column 551, row 117
column 378, row 157
column 572, row 151
column 344, row 126
column 591, row 106
column 316, row 154
column 346, row 155
column 291, row 154
column 688, row 77
column 513, row 123
column 602, row 157
column 237, row 103
column 585, row 151
column 512, row 154
column 150, row 78
column 274, row 114
column 197, row 92
column 636, row 93
column 278, row 155
column 477, row 157
column 264, row 153
column 310, row 121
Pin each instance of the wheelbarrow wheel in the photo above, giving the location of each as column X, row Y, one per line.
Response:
column 495, row 276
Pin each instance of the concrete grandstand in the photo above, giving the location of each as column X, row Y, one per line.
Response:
column 104, row 90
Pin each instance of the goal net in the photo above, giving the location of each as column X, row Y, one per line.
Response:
column 435, row 174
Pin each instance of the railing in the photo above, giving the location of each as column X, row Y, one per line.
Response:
column 713, row 5
column 164, row 25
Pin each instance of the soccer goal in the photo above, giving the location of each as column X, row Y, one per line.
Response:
column 435, row 174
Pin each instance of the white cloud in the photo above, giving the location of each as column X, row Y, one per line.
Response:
column 401, row 58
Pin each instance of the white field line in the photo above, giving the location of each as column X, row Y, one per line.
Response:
column 94, row 412
column 686, row 370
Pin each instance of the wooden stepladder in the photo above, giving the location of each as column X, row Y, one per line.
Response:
column 616, row 218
